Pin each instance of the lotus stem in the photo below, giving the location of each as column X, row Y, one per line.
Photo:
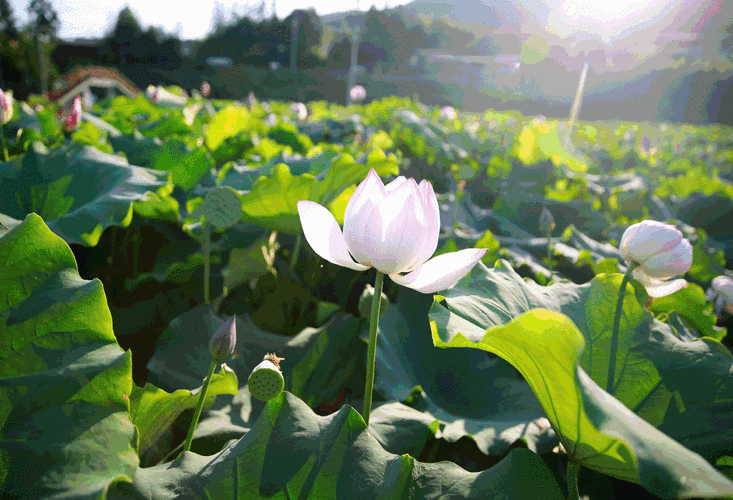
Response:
column 616, row 324
column 207, row 260
column 372, row 348
column 549, row 250
column 296, row 250
column 573, row 469
column 6, row 158
column 199, row 406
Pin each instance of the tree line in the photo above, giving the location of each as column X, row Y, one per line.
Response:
column 150, row 55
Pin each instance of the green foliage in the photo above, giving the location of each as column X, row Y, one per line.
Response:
column 597, row 430
column 64, row 381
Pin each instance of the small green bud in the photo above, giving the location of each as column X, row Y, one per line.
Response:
column 223, row 342
column 266, row 380
column 365, row 303
column 547, row 221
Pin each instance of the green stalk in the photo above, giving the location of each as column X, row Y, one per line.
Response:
column 296, row 250
column 616, row 324
column 199, row 406
column 549, row 249
column 207, row 260
column 372, row 349
column 6, row 158
column 573, row 469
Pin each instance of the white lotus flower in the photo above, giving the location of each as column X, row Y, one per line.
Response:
column 661, row 252
column 6, row 105
column 393, row 228
column 723, row 289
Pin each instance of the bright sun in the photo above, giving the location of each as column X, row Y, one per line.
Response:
column 605, row 18
column 606, row 11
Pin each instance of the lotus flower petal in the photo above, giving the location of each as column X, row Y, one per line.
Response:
column 360, row 211
column 670, row 262
column 441, row 272
column 645, row 239
column 324, row 235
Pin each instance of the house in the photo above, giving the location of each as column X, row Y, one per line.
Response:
column 81, row 80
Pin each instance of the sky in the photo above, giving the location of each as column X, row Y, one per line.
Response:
column 94, row 18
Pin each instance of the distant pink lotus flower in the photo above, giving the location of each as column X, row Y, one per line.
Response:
column 69, row 117
column 448, row 113
column 205, row 89
column 6, row 103
column 301, row 112
column 357, row 93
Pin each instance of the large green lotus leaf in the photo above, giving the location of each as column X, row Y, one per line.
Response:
column 138, row 149
column 524, row 209
column 227, row 122
column 78, row 191
column 65, row 429
column 187, row 167
column 596, row 429
column 153, row 410
column 691, row 305
column 469, row 393
column 273, row 201
column 292, row 453
column 344, row 172
column 654, row 368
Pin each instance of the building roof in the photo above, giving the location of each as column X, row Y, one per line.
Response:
column 94, row 75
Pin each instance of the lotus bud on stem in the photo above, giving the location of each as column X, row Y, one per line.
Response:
column 655, row 252
column 221, row 347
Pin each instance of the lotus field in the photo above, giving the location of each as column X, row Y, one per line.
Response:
column 204, row 299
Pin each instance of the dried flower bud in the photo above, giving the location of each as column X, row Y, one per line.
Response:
column 365, row 303
column 547, row 221
column 224, row 340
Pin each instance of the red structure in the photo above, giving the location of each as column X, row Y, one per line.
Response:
column 81, row 80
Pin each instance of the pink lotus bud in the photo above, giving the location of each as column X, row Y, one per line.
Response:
column 723, row 288
column 6, row 103
column 661, row 252
column 224, row 340
column 448, row 113
column 357, row 93
column 69, row 117
column 205, row 89
column 547, row 221
column 301, row 112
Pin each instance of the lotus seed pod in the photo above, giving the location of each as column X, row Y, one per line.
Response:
column 547, row 221
column 266, row 380
column 223, row 342
column 365, row 303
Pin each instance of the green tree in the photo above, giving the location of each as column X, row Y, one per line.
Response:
column 310, row 31
column 43, row 18
column 123, row 43
column 7, row 19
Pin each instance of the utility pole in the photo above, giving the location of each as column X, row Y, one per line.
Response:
column 294, row 24
column 40, row 41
